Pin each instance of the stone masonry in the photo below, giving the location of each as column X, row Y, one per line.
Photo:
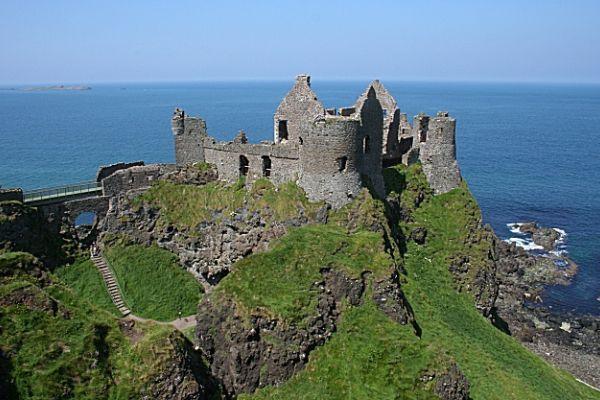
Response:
column 330, row 153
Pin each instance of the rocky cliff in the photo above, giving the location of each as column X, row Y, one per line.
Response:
column 407, row 296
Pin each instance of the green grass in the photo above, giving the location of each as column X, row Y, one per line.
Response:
column 279, row 282
column 153, row 283
column 496, row 365
column 85, row 279
column 187, row 206
column 369, row 357
column 75, row 350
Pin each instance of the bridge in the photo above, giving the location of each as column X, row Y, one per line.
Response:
column 61, row 194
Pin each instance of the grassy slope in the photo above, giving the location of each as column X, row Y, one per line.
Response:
column 496, row 365
column 77, row 353
column 371, row 356
column 280, row 282
column 153, row 283
column 85, row 279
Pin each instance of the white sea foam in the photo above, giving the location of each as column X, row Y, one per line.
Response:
column 515, row 227
column 561, row 231
column 525, row 243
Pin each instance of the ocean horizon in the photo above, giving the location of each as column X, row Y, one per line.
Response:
column 529, row 151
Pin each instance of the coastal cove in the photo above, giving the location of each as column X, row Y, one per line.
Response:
column 528, row 152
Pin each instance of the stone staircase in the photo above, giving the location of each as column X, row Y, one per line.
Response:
column 111, row 283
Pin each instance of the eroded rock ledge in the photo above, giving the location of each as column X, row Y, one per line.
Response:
column 250, row 349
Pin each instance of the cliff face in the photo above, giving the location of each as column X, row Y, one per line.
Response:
column 209, row 225
column 399, row 297
column 24, row 228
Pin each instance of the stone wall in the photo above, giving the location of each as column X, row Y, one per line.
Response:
column 226, row 157
column 370, row 141
column 134, row 178
column 73, row 208
column 437, row 151
column 311, row 143
column 298, row 109
column 13, row 194
column 107, row 170
column 189, row 134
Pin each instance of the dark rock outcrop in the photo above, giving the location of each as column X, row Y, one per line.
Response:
column 248, row 351
column 183, row 376
column 50, row 238
column 452, row 385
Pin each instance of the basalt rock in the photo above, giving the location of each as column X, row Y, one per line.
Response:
column 209, row 250
column 452, row 385
column 50, row 238
column 182, row 376
column 251, row 350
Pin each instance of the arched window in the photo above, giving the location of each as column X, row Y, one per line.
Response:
column 300, row 140
column 266, row 166
column 244, row 165
column 366, row 144
column 341, row 162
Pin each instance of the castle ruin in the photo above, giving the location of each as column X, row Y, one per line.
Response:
column 330, row 153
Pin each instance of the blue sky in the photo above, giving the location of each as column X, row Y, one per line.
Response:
column 59, row 41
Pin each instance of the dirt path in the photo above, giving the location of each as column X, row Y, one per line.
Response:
column 180, row 324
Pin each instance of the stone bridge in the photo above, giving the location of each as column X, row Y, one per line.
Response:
column 70, row 200
column 91, row 196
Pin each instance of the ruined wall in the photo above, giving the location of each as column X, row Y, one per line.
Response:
column 107, row 170
column 189, row 134
column 299, row 109
column 133, row 178
column 437, row 151
column 370, row 141
column 329, row 164
column 226, row 157
column 13, row 194
column 391, row 121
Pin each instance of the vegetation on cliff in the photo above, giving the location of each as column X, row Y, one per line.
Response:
column 152, row 283
column 280, row 282
column 60, row 338
column 86, row 281
column 496, row 365
column 55, row 344
column 187, row 206
column 371, row 355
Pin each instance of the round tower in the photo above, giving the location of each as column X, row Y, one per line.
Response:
column 329, row 167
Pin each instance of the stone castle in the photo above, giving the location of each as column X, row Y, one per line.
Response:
column 330, row 153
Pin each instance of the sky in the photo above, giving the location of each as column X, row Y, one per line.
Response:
column 87, row 41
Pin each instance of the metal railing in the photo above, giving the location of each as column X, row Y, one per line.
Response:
column 61, row 191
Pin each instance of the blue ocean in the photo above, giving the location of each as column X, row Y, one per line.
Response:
column 528, row 151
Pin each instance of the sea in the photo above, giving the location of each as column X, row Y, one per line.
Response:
column 529, row 152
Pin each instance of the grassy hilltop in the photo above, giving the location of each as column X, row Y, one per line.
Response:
column 60, row 336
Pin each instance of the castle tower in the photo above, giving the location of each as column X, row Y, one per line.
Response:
column 328, row 160
column 437, row 151
column 189, row 134
column 296, row 112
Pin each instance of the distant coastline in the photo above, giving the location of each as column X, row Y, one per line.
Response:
column 49, row 88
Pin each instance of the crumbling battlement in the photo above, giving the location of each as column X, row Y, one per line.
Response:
column 330, row 153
